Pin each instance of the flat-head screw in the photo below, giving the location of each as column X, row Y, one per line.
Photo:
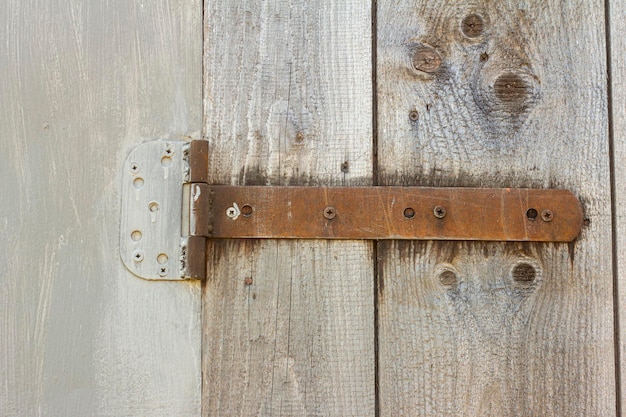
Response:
column 330, row 212
column 439, row 212
column 547, row 215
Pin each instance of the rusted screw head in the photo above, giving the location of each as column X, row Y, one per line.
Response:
column 330, row 212
column 248, row 281
column 547, row 215
column 439, row 212
column 426, row 59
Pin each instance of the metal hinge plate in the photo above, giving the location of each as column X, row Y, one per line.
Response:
column 169, row 211
column 154, row 229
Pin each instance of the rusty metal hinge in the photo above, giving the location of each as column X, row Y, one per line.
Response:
column 169, row 211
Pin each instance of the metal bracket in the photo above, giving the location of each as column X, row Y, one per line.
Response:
column 172, row 177
column 154, row 230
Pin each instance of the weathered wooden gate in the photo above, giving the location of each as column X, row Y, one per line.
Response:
column 334, row 93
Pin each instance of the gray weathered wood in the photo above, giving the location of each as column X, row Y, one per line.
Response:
column 483, row 343
column 617, row 41
column 83, row 82
column 288, row 100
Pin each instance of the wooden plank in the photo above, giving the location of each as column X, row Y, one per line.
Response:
column 517, row 98
column 288, row 101
column 83, row 82
column 617, row 15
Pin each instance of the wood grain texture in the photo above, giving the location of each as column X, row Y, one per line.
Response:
column 288, row 101
column 617, row 22
column 518, row 101
column 83, row 82
column 289, row 329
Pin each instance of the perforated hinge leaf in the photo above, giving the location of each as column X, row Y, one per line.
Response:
column 154, row 228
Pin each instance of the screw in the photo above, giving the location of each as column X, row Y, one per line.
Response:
column 138, row 256
column 547, row 215
column 134, row 168
column 233, row 212
column 413, row 115
column 248, row 281
column 439, row 212
column 162, row 271
column 330, row 212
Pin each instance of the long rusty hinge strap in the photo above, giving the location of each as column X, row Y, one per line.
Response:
column 505, row 214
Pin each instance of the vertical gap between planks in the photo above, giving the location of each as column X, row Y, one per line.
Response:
column 375, row 182
column 203, row 10
column 374, row 98
column 614, row 231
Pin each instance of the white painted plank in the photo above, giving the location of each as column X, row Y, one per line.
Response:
column 617, row 22
column 288, row 101
column 522, row 104
column 83, row 82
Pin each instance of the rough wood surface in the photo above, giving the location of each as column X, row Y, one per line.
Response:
column 288, row 101
column 83, row 82
column 515, row 97
column 617, row 22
